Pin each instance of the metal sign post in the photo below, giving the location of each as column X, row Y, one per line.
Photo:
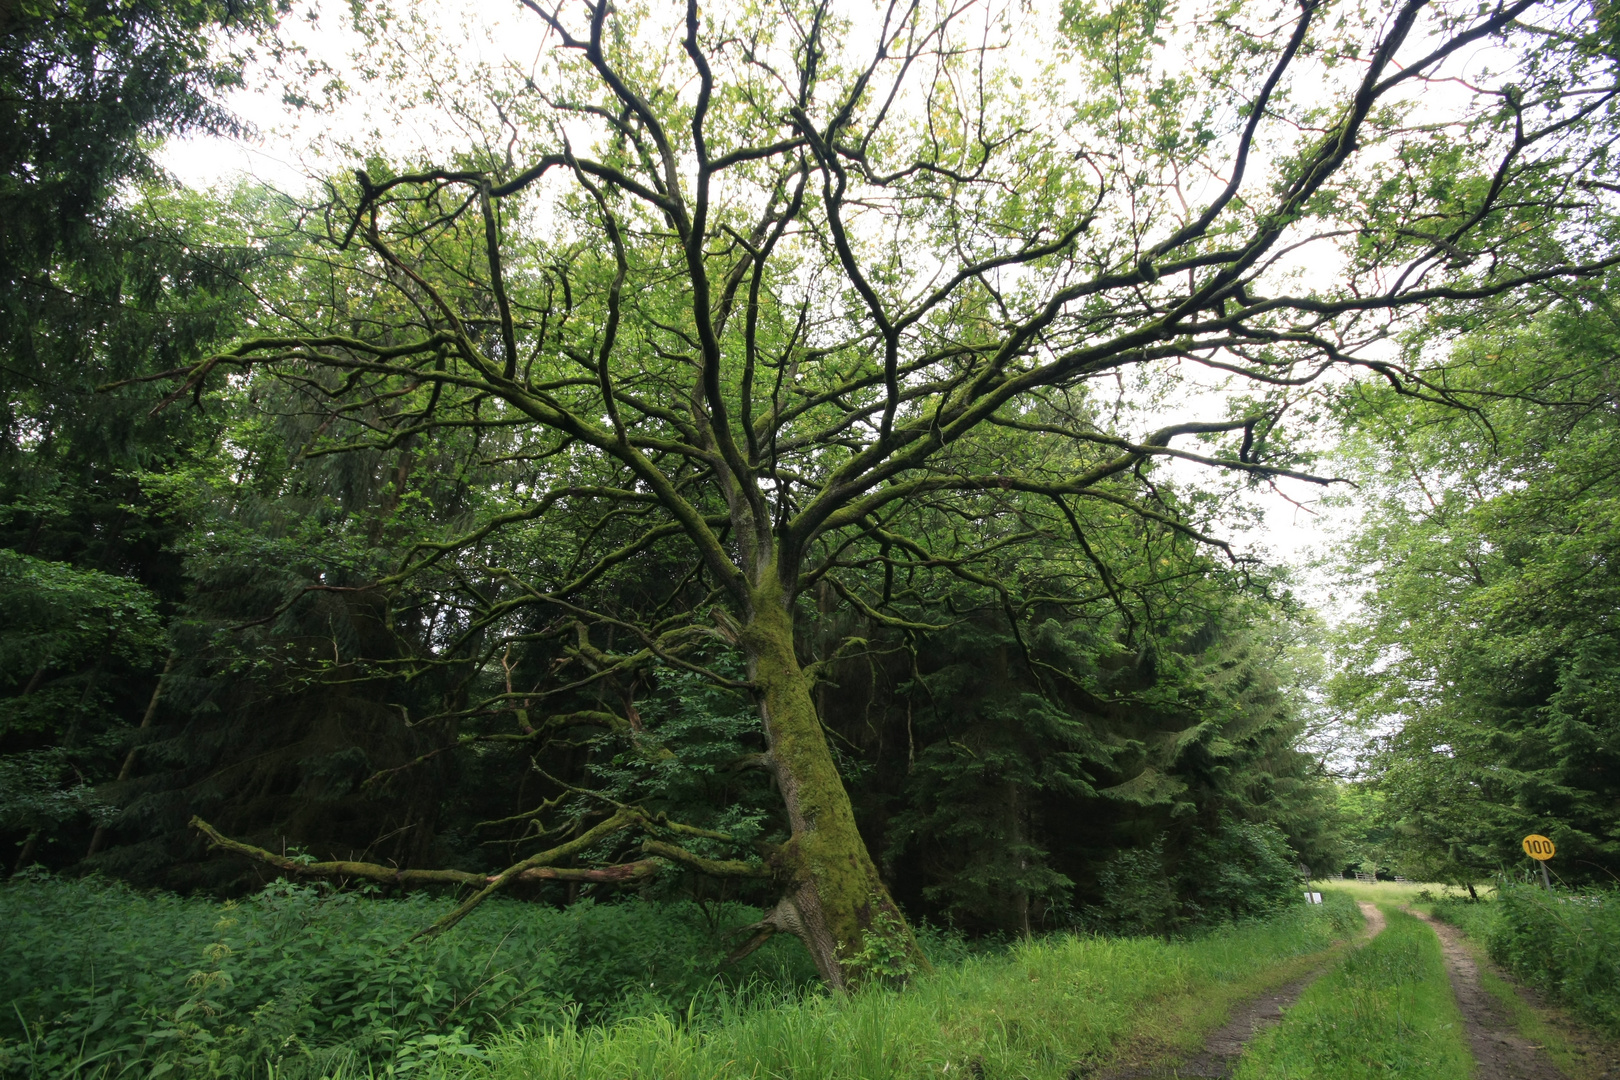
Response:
column 1541, row 849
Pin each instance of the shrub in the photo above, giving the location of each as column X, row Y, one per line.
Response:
column 1239, row 870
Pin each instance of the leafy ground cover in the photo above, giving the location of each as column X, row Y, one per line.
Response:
column 108, row 981
column 292, row 983
column 1386, row 1011
column 1566, row 944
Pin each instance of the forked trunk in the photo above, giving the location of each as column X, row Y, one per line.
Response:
column 835, row 901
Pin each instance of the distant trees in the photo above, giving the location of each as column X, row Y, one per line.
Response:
column 1488, row 643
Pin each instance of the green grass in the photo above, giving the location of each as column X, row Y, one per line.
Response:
column 1035, row 1012
column 1387, row 1011
column 1391, row 892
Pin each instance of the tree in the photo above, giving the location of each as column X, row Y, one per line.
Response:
column 90, row 88
column 103, row 276
column 1486, row 644
column 780, row 295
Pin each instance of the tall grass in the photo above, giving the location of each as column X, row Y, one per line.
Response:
column 1566, row 944
column 1046, row 1008
column 1387, row 1012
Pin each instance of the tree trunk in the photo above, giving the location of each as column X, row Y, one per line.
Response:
column 834, row 894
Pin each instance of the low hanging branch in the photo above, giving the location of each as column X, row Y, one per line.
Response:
column 537, row 867
column 391, row 875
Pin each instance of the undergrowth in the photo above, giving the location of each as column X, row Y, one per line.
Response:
column 1566, row 944
column 296, row 982
column 99, row 980
column 1387, row 1011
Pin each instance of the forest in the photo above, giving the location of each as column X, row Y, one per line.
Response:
column 756, row 507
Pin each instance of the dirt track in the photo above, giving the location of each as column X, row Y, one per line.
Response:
column 1222, row 1049
column 1502, row 1053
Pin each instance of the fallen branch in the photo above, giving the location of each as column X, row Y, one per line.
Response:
column 389, row 875
column 534, row 868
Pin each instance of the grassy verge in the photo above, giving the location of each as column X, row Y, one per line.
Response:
column 1037, row 1011
column 1576, row 1054
column 1387, row 1012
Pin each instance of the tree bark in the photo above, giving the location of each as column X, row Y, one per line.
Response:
column 834, row 893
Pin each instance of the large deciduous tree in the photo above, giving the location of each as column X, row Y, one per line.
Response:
column 805, row 303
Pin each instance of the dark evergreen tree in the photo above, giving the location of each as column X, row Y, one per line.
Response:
column 104, row 275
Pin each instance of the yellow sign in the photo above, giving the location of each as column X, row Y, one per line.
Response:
column 1538, row 847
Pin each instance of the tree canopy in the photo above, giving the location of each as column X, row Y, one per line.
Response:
column 1486, row 647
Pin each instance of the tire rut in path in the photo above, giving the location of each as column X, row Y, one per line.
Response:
column 1224, row 1048
column 1502, row 1053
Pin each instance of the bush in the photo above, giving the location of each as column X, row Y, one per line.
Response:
column 107, row 979
column 1566, row 944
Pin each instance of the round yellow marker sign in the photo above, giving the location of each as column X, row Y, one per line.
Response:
column 1538, row 847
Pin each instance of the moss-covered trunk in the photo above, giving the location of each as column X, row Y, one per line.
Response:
column 835, row 901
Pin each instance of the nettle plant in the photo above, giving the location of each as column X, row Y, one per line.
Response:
column 744, row 315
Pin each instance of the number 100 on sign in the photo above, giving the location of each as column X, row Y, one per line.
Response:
column 1538, row 847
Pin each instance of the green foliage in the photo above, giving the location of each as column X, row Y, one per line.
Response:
column 90, row 86
column 886, row 956
column 1564, row 943
column 1240, row 870
column 1487, row 638
column 1372, row 844
column 107, row 979
column 1145, row 789
column 1386, row 1011
column 106, row 274
column 1235, row 871
column 67, row 632
column 62, row 617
